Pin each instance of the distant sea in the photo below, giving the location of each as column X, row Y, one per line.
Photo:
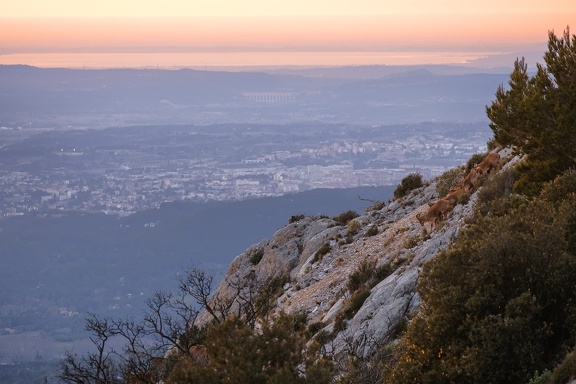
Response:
column 212, row 60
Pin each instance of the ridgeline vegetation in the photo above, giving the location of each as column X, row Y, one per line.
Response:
column 498, row 306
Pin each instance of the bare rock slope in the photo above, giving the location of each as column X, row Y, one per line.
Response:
column 323, row 262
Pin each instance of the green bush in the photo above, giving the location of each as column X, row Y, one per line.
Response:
column 495, row 306
column 566, row 371
column 295, row 218
column 256, row 256
column 324, row 337
column 376, row 206
column 408, row 184
column 492, row 144
column 562, row 186
column 411, row 241
column 314, row 328
column 355, row 302
column 352, row 305
column 321, row 252
column 353, row 227
column 463, row 199
column 268, row 292
column 499, row 186
column 238, row 354
column 372, row 230
column 382, row 272
column 339, row 324
column 361, row 276
column 541, row 378
column 532, row 175
column 345, row 217
column 368, row 275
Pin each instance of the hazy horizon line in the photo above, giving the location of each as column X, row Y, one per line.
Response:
column 201, row 58
column 367, row 47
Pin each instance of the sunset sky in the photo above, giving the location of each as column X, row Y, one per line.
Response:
column 253, row 27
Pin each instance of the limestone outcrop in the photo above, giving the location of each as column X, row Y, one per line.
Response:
column 319, row 257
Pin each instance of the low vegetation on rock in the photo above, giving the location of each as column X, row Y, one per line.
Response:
column 408, row 184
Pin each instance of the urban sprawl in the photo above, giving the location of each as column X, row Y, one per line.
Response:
column 124, row 181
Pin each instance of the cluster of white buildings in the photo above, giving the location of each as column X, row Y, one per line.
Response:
column 132, row 188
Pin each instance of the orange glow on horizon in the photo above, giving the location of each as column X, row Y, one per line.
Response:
column 129, row 26
column 376, row 32
column 218, row 60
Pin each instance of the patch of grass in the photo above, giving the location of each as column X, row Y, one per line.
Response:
column 411, row 241
column 541, row 378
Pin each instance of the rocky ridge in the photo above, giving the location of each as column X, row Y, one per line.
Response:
column 316, row 257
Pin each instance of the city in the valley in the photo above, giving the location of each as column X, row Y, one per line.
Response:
column 121, row 171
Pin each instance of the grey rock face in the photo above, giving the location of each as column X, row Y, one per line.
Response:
column 318, row 285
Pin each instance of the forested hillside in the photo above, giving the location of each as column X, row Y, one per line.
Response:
column 481, row 291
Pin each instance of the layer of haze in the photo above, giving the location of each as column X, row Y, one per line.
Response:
column 259, row 32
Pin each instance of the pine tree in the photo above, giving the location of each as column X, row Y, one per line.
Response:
column 537, row 114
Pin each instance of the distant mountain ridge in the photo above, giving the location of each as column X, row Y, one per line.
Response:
column 121, row 97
